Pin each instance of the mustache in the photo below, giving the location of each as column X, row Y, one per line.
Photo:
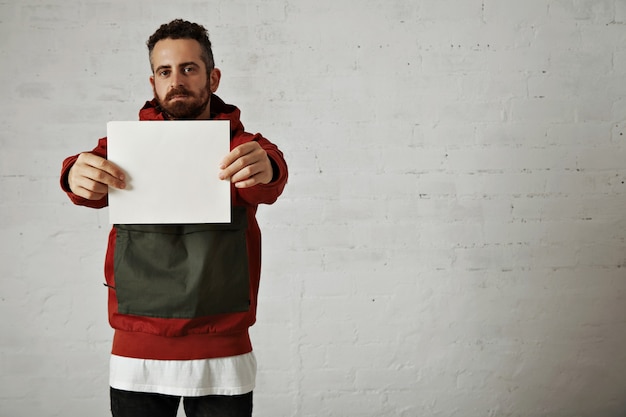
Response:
column 178, row 91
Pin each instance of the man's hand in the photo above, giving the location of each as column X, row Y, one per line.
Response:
column 91, row 175
column 247, row 165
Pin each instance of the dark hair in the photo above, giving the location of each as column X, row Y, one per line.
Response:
column 182, row 29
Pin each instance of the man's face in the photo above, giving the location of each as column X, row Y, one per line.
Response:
column 179, row 79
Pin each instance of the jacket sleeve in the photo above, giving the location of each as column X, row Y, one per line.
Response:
column 264, row 193
column 100, row 150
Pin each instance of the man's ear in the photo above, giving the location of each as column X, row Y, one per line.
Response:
column 152, row 81
column 214, row 79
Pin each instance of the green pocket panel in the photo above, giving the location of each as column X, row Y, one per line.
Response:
column 183, row 270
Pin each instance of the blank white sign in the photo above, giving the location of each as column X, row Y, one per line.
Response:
column 171, row 171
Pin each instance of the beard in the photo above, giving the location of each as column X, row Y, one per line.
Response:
column 190, row 108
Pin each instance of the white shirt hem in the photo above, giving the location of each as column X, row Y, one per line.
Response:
column 235, row 375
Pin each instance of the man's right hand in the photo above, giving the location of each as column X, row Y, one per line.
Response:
column 91, row 175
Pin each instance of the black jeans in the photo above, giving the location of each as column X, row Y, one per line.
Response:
column 141, row 404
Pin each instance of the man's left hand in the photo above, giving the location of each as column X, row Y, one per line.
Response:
column 247, row 165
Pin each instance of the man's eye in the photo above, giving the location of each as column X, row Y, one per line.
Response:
column 189, row 69
column 164, row 73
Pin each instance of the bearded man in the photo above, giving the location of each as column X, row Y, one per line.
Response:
column 164, row 351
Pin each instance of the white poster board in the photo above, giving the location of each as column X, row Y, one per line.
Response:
column 171, row 171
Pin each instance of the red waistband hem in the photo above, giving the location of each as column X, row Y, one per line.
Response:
column 195, row 346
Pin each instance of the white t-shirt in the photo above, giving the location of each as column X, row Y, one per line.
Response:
column 233, row 375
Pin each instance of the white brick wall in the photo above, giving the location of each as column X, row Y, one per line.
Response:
column 452, row 239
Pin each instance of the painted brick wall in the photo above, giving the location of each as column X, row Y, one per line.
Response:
column 452, row 239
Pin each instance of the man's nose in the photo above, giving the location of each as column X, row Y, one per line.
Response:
column 176, row 79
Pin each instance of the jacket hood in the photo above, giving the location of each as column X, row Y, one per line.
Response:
column 219, row 111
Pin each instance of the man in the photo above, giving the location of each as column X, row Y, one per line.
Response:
column 182, row 297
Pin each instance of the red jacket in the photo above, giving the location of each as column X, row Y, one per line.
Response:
column 183, row 292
